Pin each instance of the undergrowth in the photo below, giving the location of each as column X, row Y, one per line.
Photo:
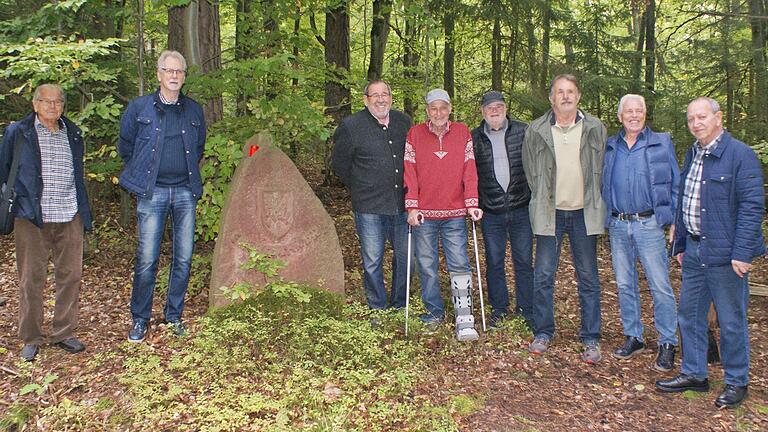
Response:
column 274, row 362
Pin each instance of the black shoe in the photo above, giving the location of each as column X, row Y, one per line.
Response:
column 665, row 359
column 71, row 345
column 731, row 396
column 29, row 352
column 682, row 383
column 177, row 327
column 632, row 347
column 138, row 332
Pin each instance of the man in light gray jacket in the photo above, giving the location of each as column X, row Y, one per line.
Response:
column 562, row 158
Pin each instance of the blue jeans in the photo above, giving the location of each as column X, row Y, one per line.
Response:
column 703, row 285
column 584, row 251
column 643, row 239
column 374, row 230
column 452, row 233
column 514, row 226
column 152, row 213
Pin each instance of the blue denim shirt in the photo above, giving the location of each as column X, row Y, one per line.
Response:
column 141, row 143
column 630, row 184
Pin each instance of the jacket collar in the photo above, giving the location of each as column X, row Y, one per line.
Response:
column 725, row 139
column 159, row 103
column 484, row 127
column 29, row 123
column 647, row 134
column 553, row 120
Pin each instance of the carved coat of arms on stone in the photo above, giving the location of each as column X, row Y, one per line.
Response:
column 277, row 212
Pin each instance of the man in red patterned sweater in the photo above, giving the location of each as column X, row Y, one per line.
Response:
column 441, row 189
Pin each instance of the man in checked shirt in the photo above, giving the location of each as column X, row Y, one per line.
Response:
column 720, row 209
column 52, row 212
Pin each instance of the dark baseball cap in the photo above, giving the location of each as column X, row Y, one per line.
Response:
column 490, row 97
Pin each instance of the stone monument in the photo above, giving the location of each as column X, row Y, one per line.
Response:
column 271, row 208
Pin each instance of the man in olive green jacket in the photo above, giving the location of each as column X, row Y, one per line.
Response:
column 563, row 159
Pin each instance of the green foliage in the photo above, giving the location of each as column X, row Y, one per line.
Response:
column 290, row 119
column 465, row 405
column 45, row 20
column 265, row 264
column 67, row 61
column 16, row 417
column 276, row 362
column 220, row 160
column 280, row 298
column 761, row 148
column 39, row 388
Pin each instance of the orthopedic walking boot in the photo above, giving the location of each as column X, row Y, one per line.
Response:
column 461, row 290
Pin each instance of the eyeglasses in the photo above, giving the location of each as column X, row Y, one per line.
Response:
column 495, row 107
column 56, row 102
column 379, row 95
column 169, row 71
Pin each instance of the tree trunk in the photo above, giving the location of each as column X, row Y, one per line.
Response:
column 243, row 44
column 597, row 64
column 449, row 55
column 496, row 55
column 337, row 94
column 532, row 69
column 193, row 30
column 513, row 45
column 637, row 60
column 379, row 34
column 728, row 63
column 410, row 62
column 126, row 203
column 650, row 58
column 546, row 30
column 760, row 92
column 295, row 146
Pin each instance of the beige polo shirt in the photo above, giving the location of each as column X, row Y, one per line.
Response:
column 569, row 189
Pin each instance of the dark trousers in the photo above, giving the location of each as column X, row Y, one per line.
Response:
column 63, row 243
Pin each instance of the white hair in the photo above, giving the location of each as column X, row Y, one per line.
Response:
column 712, row 103
column 628, row 97
column 170, row 53
column 56, row 87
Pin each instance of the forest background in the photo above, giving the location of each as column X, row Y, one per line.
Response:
column 295, row 68
column 292, row 358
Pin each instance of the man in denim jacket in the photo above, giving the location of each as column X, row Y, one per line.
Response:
column 162, row 138
column 640, row 180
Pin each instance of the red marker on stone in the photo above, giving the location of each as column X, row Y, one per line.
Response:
column 253, row 149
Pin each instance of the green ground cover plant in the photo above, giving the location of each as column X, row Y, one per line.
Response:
column 276, row 362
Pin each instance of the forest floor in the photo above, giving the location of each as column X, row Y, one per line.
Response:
column 510, row 390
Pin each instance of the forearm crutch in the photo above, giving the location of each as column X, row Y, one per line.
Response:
column 408, row 280
column 479, row 277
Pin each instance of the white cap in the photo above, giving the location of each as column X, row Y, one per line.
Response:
column 436, row 95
